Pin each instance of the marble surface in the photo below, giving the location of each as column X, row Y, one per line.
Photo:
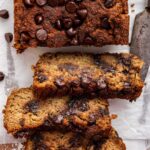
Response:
column 129, row 124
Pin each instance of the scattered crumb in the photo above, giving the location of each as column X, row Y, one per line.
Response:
column 132, row 5
column 114, row 116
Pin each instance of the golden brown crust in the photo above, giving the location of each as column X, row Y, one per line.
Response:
column 104, row 24
column 107, row 75
column 23, row 113
column 55, row 140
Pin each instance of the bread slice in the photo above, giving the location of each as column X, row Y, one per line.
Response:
column 108, row 75
column 24, row 113
column 54, row 140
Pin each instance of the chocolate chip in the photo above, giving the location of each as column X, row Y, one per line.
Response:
column 127, row 85
column 109, row 3
column 53, row 3
column 78, row 1
column 85, row 81
column 104, row 111
column 125, row 61
column 22, row 121
column 71, row 32
column 42, row 78
column 88, row 40
column 75, row 83
column 29, row 3
column 82, row 13
column 24, row 37
column 71, row 7
column 68, row 67
column 74, row 42
column 9, row 37
column 58, row 119
column 40, row 146
column 2, row 76
column 60, row 82
column 105, row 23
column 58, row 24
column 41, row 35
column 77, row 22
column 62, row 2
column 4, row 14
column 101, row 84
column 32, row 106
column 38, row 19
column 78, row 103
column 41, row 2
column 67, row 23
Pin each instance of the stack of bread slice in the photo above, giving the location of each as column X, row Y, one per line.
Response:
column 66, row 108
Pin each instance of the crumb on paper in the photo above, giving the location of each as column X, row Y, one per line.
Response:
column 132, row 5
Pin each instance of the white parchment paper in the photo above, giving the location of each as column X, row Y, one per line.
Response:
column 133, row 118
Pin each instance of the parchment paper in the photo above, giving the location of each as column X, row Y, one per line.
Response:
column 133, row 118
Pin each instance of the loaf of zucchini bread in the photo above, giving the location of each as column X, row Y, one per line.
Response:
column 54, row 140
column 106, row 75
column 24, row 114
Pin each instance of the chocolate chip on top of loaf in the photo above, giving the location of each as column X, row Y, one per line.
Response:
column 58, row 23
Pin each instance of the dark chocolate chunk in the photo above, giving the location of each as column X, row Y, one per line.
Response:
column 2, row 76
column 67, row 23
column 9, row 37
column 105, row 23
column 75, row 83
column 29, row 3
column 58, row 119
column 4, row 14
column 41, row 2
column 53, row 3
column 101, row 84
column 88, row 40
column 58, row 24
column 40, row 146
column 127, row 85
column 41, row 35
column 71, row 7
column 82, row 13
column 85, row 81
column 38, row 19
column 78, row 1
column 78, row 103
column 71, row 32
column 42, row 78
column 125, row 61
column 74, row 42
column 60, row 82
column 109, row 3
column 62, row 2
column 32, row 107
column 77, row 22
column 24, row 37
